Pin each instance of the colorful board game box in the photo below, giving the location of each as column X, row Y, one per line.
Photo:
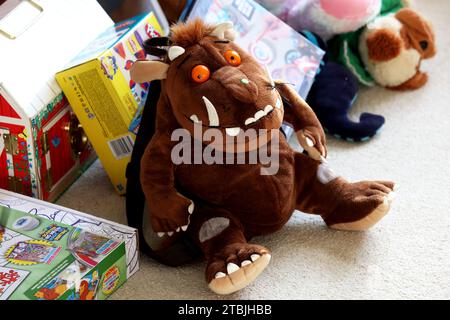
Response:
column 104, row 98
column 287, row 54
column 49, row 252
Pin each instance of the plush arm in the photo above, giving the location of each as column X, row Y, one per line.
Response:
column 169, row 210
column 308, row 128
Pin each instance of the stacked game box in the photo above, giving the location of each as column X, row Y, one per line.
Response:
column 104, row 98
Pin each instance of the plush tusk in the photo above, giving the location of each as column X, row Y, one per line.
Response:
column 272, row 83
column 175, row 52
column 221, row 30
column 212, row 113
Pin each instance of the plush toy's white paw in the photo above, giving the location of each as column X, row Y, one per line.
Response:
column 239, row 277
column 370, row 220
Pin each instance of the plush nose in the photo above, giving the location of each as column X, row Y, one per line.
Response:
column 237, row 84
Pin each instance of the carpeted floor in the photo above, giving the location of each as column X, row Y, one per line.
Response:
column 407, row 255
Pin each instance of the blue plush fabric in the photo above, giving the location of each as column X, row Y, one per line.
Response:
column 332, row 95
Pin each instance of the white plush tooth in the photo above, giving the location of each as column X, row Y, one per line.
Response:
column 184, row 228
column 268, row 109
column 396, row 187
column 194, row 118
column 278, row 104
column 191, row 207
column 272, row 83
column 212, row 113
column 170, row 233
column 255, row 257
column 231, row 267
column 259, row 115
column 175, row 52
column 250, row 121
column 245, row 263
column 161, row 234
column 220, row 275
column 178, row 229
column 309, row 142
column 233, row 132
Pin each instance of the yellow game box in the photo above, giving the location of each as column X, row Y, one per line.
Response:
column 106, row 101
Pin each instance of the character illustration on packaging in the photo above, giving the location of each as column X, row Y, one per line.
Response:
column 32, row 252
column 89, row 244
column 109, row 66
column 10, row 279
column 89, row 286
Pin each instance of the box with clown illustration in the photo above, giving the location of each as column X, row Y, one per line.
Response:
column 45, row 259
column 104, row 98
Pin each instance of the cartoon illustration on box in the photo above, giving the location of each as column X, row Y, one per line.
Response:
column 287, row 54
column 113, row 107
column 68, row 267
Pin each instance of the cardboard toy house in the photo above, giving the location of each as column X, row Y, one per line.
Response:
column 48, row 252
column 43, row 148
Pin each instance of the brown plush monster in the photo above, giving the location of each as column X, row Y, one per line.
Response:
column 212, row 84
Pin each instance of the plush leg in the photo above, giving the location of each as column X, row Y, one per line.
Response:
column 232, row 263
column 416, row 82
column 332, row 95
column 342, row 205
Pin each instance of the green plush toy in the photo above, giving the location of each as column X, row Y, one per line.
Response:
column 388, row 51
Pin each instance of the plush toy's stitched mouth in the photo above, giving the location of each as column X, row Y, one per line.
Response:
column 214, row 121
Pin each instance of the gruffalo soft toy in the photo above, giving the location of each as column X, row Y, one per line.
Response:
column 212, row 86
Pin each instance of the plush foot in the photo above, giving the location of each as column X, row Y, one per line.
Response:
column 235, row 267
column 361, row 205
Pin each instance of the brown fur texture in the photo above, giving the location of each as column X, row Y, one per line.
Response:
column 172, row 8
column 254, row 204
column 383, row 45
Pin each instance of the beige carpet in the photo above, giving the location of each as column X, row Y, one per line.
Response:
column 407, row 255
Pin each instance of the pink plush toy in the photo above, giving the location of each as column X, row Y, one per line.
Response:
column 325, row 17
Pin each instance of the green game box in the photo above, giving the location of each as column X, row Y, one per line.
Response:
column 42, row 259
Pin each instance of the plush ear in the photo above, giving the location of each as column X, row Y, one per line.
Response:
column 147, row 71
column 224, row 31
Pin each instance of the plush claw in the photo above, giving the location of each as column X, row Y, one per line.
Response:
column 220, row 275
column 231, row 268
column 161, row 234
column 391, row 196
column 170, row 233
column 191, row 207
column 245, row 263
column 309, row 142
column 255, row 257
column 178, row 229
column 184, row 228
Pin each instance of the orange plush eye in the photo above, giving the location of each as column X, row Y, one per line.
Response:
column 233, row 58
column 200, row 74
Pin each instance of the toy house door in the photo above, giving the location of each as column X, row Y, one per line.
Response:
column 14, row 165
column 58, row 158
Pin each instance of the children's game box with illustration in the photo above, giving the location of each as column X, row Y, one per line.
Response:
column 52, row 253
column 104, row 98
